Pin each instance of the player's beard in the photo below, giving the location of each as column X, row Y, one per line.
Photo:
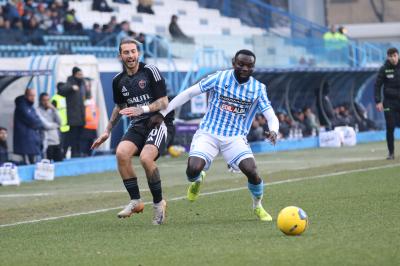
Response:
column 131, row 66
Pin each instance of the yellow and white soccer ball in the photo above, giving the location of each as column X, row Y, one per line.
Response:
column 292, row 220
column 176, row 150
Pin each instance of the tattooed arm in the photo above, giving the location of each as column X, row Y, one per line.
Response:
column 114, row 119
column 158, row 105
column 155, row 106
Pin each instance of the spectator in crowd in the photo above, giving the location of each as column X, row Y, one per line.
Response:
column 331, row 38
column 51, row 134
column 256, row 132
column 176, row 32
column 92, row 114
column 144, row 6
column 343, row 44
column 101, row 5
column 284, row 124
column 71, row 24
column 347, row 118
column 311, row 121
column 75, row 93
column 3, row 145
column 34, row 32
column 56, row 23
column 300, row 124
column 124, row 32
column 11, row 12
column 27, row 126
column 29, row 6
column 113, row 25
column 95, row 34
column 43, row 16
column 60, row 103
column 262, row 121
column 332, row 44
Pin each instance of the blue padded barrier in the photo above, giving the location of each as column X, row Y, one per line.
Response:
column 73, row 167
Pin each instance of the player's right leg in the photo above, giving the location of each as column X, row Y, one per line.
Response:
column 195, row 175
column 125, row 150
column 390, row 126
column 203, row 149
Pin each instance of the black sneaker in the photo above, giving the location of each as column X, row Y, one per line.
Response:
column 390, row 157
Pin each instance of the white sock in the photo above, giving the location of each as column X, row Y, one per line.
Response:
column 257, row 202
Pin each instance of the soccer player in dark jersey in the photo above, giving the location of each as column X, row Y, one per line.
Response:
column 139, row 93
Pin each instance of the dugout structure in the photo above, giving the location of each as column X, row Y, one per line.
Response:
column 296, row 88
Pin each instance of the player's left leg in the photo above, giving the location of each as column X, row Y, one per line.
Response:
column 256, row 187
column 238, row 155
column 155, row 143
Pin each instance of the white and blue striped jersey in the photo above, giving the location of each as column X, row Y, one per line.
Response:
column 231, row 105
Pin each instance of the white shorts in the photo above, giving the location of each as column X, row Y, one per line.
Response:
column 207, row 146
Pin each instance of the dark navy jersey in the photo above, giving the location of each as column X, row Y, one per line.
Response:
column 142, row 88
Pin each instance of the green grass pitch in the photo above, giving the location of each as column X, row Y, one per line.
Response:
column 351, row 196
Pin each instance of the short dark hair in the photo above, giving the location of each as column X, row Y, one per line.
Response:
column 245, row 52
column 128, row 40
column 392, row 50
column 3, row 128
column 43, row 94
column 75, row 70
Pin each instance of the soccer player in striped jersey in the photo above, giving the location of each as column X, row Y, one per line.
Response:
column 139, row 93
column 234, row 99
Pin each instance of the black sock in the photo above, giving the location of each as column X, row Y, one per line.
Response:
column 156, row 191
column 132, row 187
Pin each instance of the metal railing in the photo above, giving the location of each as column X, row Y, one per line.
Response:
column 205, row 61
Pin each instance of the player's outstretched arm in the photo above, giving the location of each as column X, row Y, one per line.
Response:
column 182, row 98
column 115, row 116
column 273, row 125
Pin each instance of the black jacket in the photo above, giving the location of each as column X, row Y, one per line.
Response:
column 389, row 77
column 27, row 126
column 75, row 101
column 3, row 152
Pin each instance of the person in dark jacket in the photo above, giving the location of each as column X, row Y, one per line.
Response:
column 176, row 32
column 3, row 145
column 27, row 126
column 75, row 94
column 389, row 78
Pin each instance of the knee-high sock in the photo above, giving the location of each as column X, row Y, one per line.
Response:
column 257, row 192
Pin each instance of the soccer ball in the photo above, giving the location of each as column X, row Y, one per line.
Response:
column 176, row 150
column 292, row 220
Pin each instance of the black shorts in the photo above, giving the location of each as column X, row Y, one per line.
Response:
column 141, row 135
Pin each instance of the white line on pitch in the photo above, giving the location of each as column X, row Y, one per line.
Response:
column 208, row 193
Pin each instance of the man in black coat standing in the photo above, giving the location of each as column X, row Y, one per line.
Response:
column 27, row 126
column 389, row 77
column 3, row 145
column 75, row 94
